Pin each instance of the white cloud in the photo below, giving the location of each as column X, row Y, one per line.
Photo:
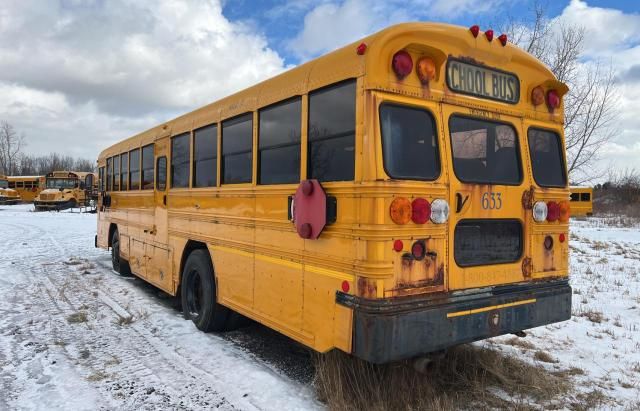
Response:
column 114, row 68
column 334, row 24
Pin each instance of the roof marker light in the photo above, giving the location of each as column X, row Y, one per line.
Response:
column 362, row 48
column 503, row 39
column 489, row 35
column 475, row 29
column 553, row 100
column 537, row 96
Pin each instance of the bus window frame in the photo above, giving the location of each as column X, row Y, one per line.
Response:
column 221, row 155
column 498, row 122
column 395, row 103
column 193, row 161
column 124, row 174
column 153, row 171
column 139, row 182
column 157, row 170
column 188, row 136
column 563, row 154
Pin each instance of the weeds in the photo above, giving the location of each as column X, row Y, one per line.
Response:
column 544, row 357
column 77, row 317
column 464, row 377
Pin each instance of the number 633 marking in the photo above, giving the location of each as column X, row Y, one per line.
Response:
column 492, row 201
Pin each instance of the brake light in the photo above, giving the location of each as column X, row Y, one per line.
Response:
column 439, row 211
column 425, row 69
column 565, row 211
column 553, row 100
column 400, row 210
column 475, row 29
column 420, row 211
column 402, row 64
column 489, row 35
column 554, row 211
column 418, row 250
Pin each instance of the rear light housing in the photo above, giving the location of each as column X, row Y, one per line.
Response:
column 503, row 39
column 553, row 213
column 475, row 29
column 439, row 211
column 418, row 250
column 400, row 210
column 420, row 211
column 489, row 35
column 540, row 211
column 402, row 64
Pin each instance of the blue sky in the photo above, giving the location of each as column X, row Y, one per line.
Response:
column 280, row 20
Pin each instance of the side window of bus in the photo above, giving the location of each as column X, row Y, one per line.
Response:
column 101, row 178
column 12, row 184
column 205, row 156
column 116, row 173
column 279, row 143
column 180, row 161
column 332, row 123
column 134, row 169
column 147, row 167
column 161, row 173
column 124, row 167
column 585, row 197
column 109, row 173
column 575, row 196
column 237, row 154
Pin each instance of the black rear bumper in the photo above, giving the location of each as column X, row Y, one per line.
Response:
column 399, row 328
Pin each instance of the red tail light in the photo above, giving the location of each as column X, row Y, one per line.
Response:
column 345, row 286
column 562, row 238
column 418, row 250
column 489, row 34
column 553, row 100
column 553, row 212
column 503, row 39
column 402, row 64
column 362, row 48
column 398, row 246
column 420, row 211
column 475, row 29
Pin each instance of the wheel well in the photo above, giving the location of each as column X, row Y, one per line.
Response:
column 188, row 248
column 112, row 229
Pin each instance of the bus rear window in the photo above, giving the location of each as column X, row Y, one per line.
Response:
column 546, row 158
column 409, row 143
column 485, row 152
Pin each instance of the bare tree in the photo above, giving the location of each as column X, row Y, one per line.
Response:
column 11, row 145
column 589, row 113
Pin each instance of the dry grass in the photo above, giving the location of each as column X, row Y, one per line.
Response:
column 520, row 342
column 592, row 315
column 77, row 317
column 466, row 377
column 544, row 357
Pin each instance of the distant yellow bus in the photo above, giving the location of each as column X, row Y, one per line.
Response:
column 66, row 189
column 8, row 196
column 395, row 197
column 27, row 186
column 582, row 201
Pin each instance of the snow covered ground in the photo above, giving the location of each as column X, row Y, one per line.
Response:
column 74, row 335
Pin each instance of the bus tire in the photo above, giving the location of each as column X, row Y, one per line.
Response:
column 198, row 294
column 119, row 265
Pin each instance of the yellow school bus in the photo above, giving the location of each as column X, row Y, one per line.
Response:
column 28, row 187
column 396, row 197
column 65, row 189
column 582, row 201
column 8, row 196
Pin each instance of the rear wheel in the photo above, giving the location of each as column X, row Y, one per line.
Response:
column 119, row 265
column 198, row 292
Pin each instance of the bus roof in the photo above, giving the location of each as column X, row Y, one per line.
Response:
column 69, row 174
column 438, row 40
column 24, row 177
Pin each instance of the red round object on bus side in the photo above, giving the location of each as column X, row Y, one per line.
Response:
column 475, row 29
column 489, row 35
column 345, row 286
column 553, row 211
column 398, row 246
column 362, row 48
column 402, row 64
column 562, row 238
column 420, row 211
